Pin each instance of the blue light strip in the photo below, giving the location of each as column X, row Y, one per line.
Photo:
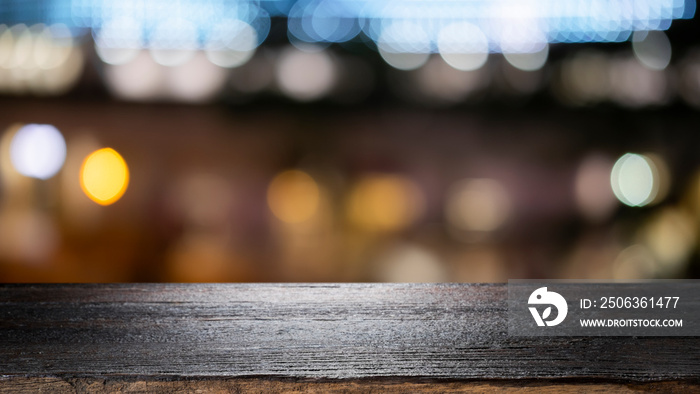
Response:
column 406, row 25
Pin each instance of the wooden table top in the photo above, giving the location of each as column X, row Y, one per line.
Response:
column 323, row 337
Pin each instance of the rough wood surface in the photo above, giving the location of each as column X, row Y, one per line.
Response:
column 248, row 385
column 237, row 333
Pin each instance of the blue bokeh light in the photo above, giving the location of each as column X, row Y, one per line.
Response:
column 533, row 22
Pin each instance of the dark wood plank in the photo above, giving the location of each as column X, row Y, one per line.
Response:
column 306, row 331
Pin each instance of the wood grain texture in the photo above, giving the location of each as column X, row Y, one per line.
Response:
column 236, row 333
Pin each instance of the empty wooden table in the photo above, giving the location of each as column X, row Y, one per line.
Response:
column 313, row 337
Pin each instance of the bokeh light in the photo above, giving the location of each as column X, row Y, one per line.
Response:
column 323, row 21
column 104, row 176
column 293, row 196
column 38, row 151
column 119, row 40
column 173, row 42
column 385, row 202
column 232, row 44
column 463, row 46
column 477, row 205
column 305, row 76
column 403, row 60
column 528, row 61
column 441, row 83
column 404, row 45
column 670, row 236
column 652, row 49
column 141, row 79
column 635, row 180
column 196, row 81
column 40, row 59
column 52, row 46
column 408, row 263
column 662, row 177
column 401, row 101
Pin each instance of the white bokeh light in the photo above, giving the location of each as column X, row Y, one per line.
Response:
column 528, row 61
column 119, row 41
column 173, row 42
column 232, row 44
column 633, row 180
column 196, row 81
column 38, row 151
column 463, row 46
column 305, row 76
column 139, row 79
column 652, row 49
column 404, row 45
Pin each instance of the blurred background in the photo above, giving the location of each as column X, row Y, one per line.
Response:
column 348, row 140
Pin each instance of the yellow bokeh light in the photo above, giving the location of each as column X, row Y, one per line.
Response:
column 293, row 196
column 477, row 205
column 384, row 202
column 104, row 176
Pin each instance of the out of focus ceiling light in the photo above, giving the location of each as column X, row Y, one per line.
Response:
column 652, row 49
column 39, row 59
column 229, row 33
column 477, row 205
column 463, row 46
column 196, row 81
column 305, row 76
column 513, row 26
column 104, row 176
column 638, row 180
column 405, row 33
column 323, row 21
column 232, row 44
column 441, row 83
column 528, row 61
column 293, row 196
column 140, row 79
column 173, row 42
column 508, row 25
column 118, row 41
column 38, row 151
column 385, row 203
column 404, row 45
